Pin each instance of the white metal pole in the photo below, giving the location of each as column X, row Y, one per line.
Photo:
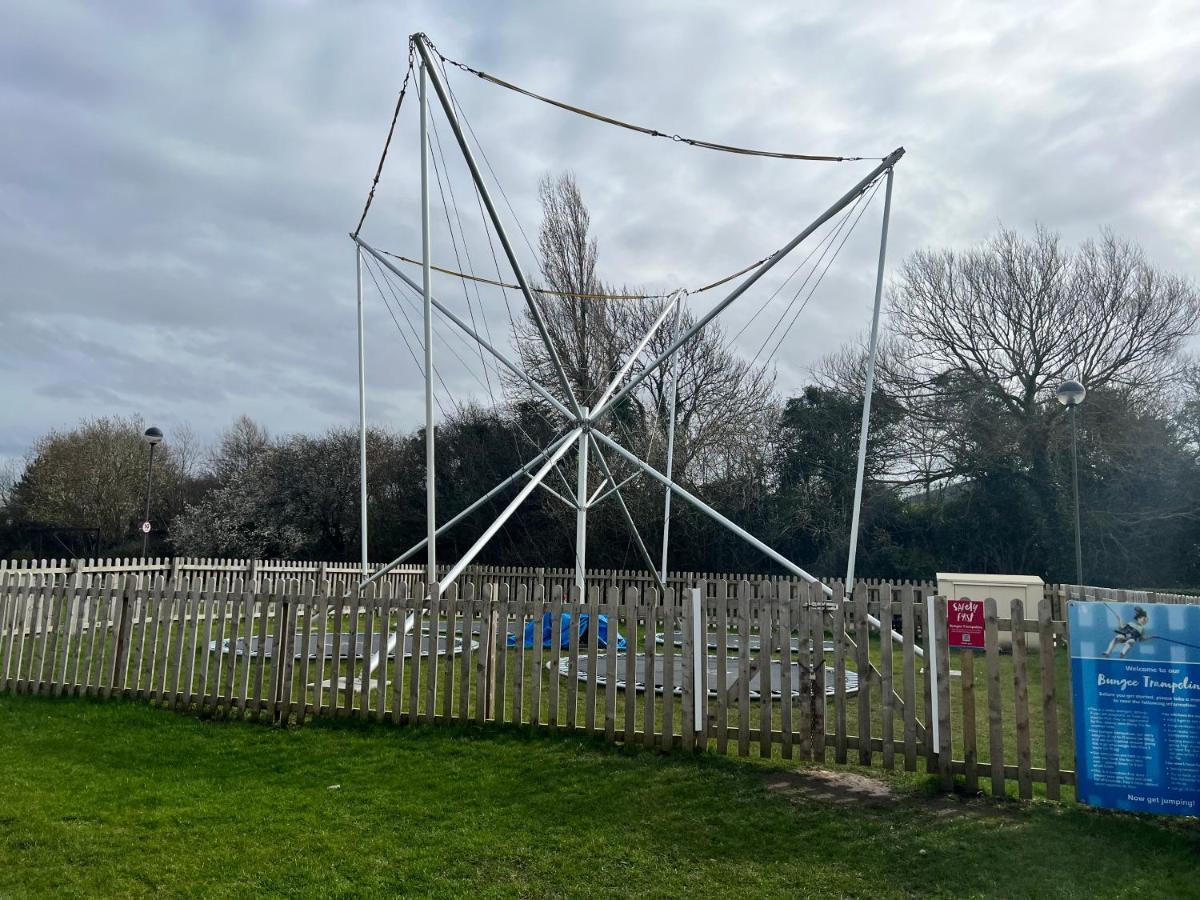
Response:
column 485, row 195
column 581, row 501
column 674, row 370
column 430, row 481
column 931, row 665
column 699, row 660
column 362, row 419
column 868, row 388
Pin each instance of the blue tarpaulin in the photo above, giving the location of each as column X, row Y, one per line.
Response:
column 584, row 624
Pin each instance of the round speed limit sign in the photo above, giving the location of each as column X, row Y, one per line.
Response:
column 145, row 528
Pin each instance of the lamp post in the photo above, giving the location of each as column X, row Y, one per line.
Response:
column 1070, row 394
column 153, row 437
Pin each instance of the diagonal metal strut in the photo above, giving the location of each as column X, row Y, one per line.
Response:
column 485, row 195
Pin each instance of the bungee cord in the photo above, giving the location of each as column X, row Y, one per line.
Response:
column 641, row 129
column 388, row 141
column 653, row 132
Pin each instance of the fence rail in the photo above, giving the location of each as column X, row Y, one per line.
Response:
column 767, row 667
column 346, row 575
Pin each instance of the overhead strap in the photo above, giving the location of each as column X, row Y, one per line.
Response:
column 641, row 129
column 388, row 142
column 504, row 284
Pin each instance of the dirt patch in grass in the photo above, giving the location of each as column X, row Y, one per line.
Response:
column 848, row 788
column 833, row 786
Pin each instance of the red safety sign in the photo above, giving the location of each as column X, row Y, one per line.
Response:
column 964, row 623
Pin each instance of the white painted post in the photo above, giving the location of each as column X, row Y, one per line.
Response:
column 581, row 499
column 699, row 658
column 362, row 419
column 931, row 664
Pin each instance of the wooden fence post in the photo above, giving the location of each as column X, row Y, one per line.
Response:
column 945, row 744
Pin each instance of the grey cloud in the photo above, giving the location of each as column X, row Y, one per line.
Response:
column 177, row 182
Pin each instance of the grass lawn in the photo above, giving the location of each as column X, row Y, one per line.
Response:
column 100, row 798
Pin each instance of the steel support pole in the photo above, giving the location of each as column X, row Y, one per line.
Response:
column 362, row 417
column 846, row 199
column 457, row 568
column 581, row 511
column 427, row 292
column 469, row 331
column 1075, row 485
column 486, row 197
column 462, row 514
column 868, row 389
column 670, row 446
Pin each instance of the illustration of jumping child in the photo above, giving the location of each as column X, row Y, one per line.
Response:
column 1129, row 633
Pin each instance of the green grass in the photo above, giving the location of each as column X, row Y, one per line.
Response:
column 103, row 798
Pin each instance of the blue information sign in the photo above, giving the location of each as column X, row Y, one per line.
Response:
column 1135, row 678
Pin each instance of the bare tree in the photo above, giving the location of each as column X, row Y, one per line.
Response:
column 1015, row 317
column 723, row 402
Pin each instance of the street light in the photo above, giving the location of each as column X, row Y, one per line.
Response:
column 153, row 437
column 1070, row 394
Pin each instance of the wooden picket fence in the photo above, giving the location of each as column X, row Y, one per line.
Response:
column 343, row 575
column 783, row 671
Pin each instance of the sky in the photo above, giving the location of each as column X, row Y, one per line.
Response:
column 177, row 181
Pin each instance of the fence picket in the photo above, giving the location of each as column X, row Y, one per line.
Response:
column 196, row 602
column 258, row 701
column 722, row 685
column 908, row 677
column 667, row 613
column 887, row 709
column 966, row 663
column 991, row 642
column 464, row 671
column 744, row 675
column 945, row 734
column 839, row 680
column 766, row 638
column 1049, row 698
column 357, row 598
column 862, row 636
column 629, row 611
column 1021, row 700
column 783, row 607
column 499, row 652
column 593, row 644
column 431, row 667
column 450, row 611
column 556, row 608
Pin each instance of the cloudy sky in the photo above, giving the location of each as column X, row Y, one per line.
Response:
column 177, row 180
